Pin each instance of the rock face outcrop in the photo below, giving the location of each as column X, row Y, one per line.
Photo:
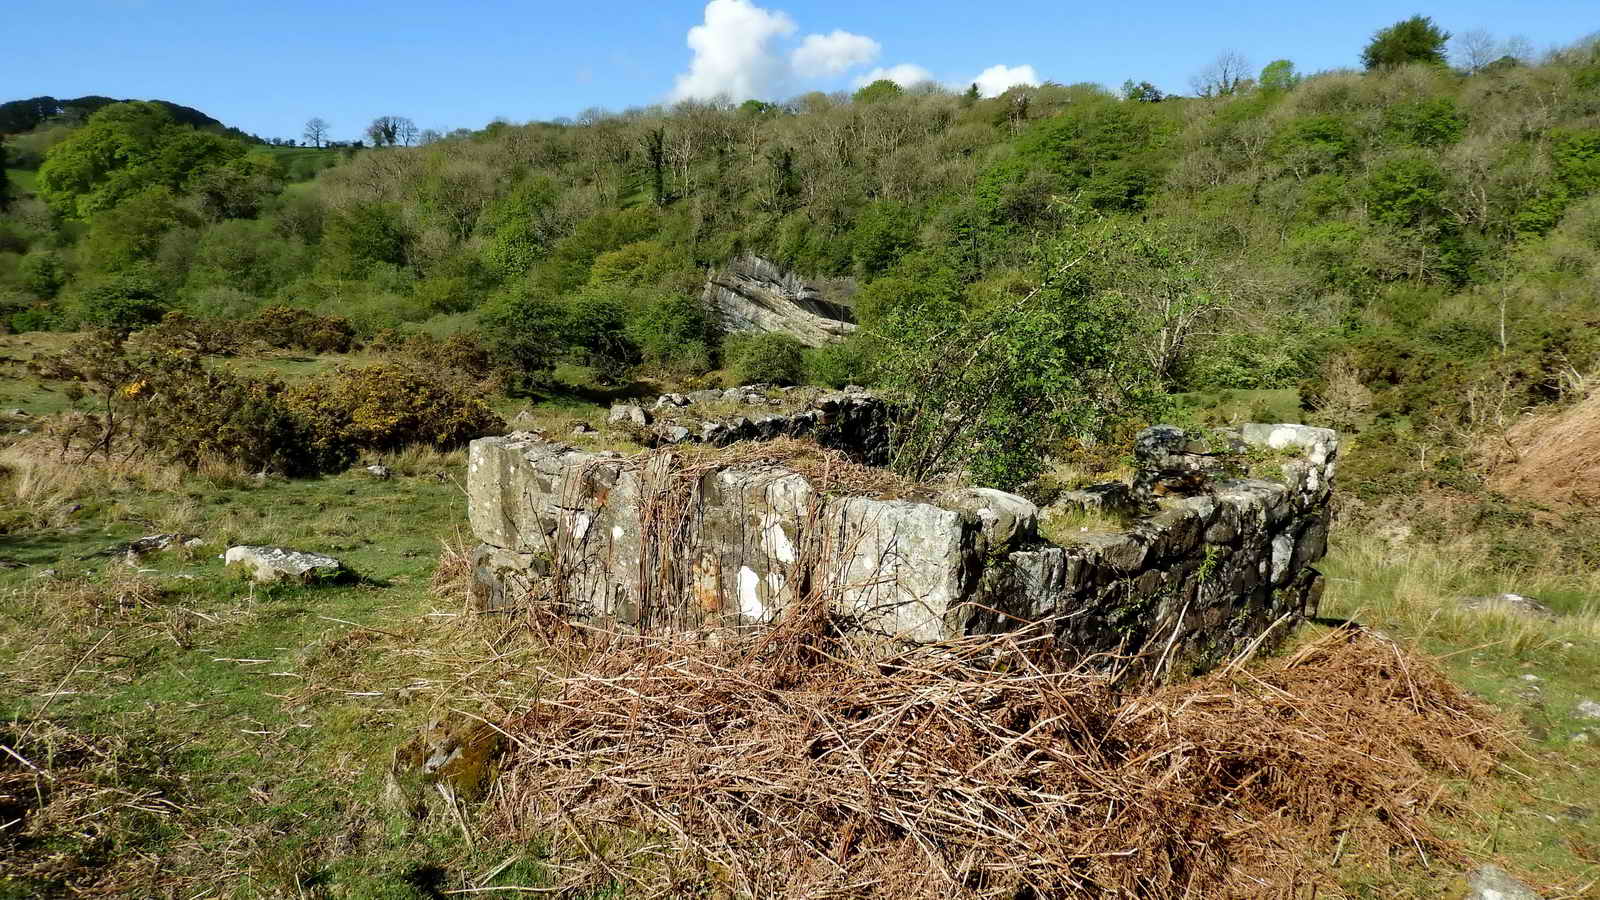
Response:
column 644, row 543
column 754, row 294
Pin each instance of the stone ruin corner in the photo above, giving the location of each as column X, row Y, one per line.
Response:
column 1216, row 553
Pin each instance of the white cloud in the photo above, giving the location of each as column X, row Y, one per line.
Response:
column 993, row 81
column 822, row 55
column 734, row 54
column 904, row 74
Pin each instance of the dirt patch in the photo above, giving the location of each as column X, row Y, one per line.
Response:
column 793, row 765
column 1553, row 459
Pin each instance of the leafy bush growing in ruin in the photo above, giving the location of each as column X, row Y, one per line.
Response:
column 995, row 389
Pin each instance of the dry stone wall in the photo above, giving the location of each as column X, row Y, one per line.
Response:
column 1207, row 565
column 853, row 421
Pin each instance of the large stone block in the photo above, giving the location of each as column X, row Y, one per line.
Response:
column 902, row 569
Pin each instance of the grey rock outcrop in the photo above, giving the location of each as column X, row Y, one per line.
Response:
column 754, row 294
column 272, row 564
column 629, row 414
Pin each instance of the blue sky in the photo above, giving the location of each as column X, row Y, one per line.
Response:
column 267, row 67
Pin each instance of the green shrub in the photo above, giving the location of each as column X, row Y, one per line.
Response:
column 357, row 238
column 1314, row 144
column 522, row 332
column 595, row 334
column 996, row 389
column 1405, row 191
column 36, row 318
column 287, row 327
column 674, row 335
column 121, row 302
column 840, row 365
column 766, row 359
column 1425, row 123
column 387, row 407
column 42, row 273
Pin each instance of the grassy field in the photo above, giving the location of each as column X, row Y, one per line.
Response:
column 264, row 719
column 201, row 736
column 22, row 180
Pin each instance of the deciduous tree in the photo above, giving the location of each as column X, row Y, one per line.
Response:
column 1411, row 40
column 316, row 130
column 1223, row 76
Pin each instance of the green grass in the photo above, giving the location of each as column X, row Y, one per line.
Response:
column 23, row 180
column 266, row 714
column 268, row 720
column 1541, row 815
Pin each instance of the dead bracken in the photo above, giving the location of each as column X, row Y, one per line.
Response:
column 791, row 764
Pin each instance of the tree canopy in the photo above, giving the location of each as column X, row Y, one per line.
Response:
column 122, row 150
column 1411, row 40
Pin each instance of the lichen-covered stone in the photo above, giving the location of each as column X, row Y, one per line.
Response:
column 1196, row 578
column 1007, row 520
column 274, row 564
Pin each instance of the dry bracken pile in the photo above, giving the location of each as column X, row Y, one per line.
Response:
column 791, row 764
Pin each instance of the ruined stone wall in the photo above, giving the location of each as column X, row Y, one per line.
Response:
column 853, row 421
column 1210, row 563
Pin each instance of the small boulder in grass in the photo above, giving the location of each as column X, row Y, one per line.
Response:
column 269, row 565
column 1490, row 882
column 1512, row 603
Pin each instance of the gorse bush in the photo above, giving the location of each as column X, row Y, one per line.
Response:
column 286, row 327
column 189, row 414
column 161, row 399
column 387, row 407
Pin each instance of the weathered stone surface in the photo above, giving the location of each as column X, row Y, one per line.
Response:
column 272, row 564
column 515, row 484
column 754, row 294
column 628, row 414
column 1588, row 709
column 901, row 568
column 1490, row 882
column 855, row 422
column 1167, row 462
column 1112, row 496
column 1512, row 603
column 630, row 542
column 1007, row 520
